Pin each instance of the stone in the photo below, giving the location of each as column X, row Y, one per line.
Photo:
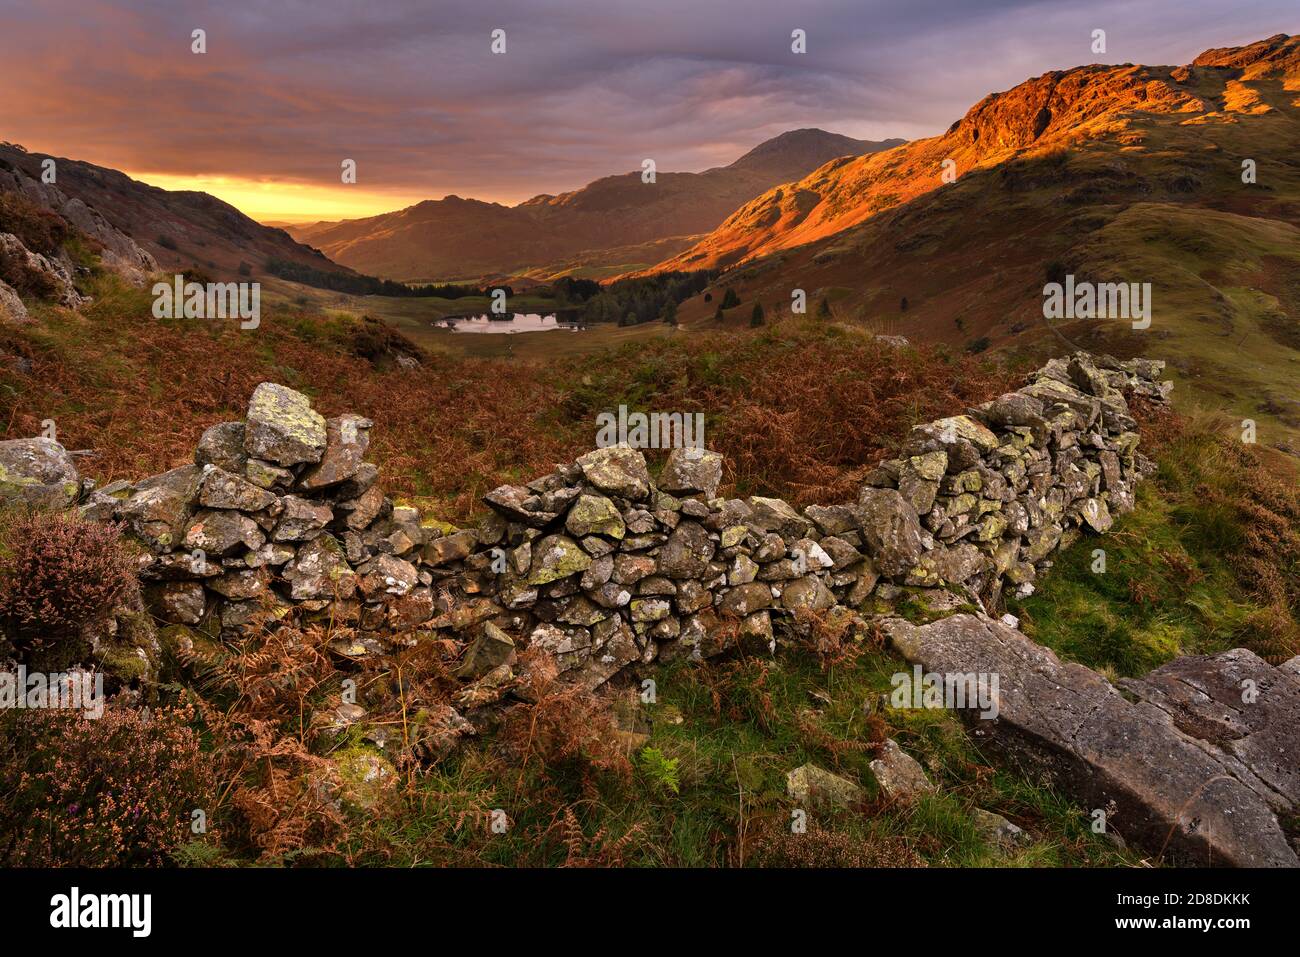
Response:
column 1170, row 790
column 320, row 570
column 240, row 584
column 365, row 509
column 774, row 515
column 811, row 786
column 687, row 552
column 282, row 428
column 615, row 648
column 746, row 599
column 807, row 594
column 55, row 273
column 11, row 306
column 450, row 548
column 650, row 609
column 365, row 777
column 692, row 470
column 1014, row 409
column 997, row 830
column 891, row 528
column 617, row 470
column 570, row 647
column 812, row 556
column 1241, row 706
column 948, row 432
column 220, row 533
column 1095, row 512
column 840, row 552
column 181, row 602
column 386, row 575
column 898, row 774
column 222, row 445
column 630, row 569
column 266, row 475
column 491, row 649
column 519, row 504
column 301, row 520
column 594, row 515
column 37, row 472
column 347, row 438
column 598, row 573
column 222, row 489
column 743, row 570
column 555, row 557
column 832, row 519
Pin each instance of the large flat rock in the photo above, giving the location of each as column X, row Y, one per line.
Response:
column 1181, row 771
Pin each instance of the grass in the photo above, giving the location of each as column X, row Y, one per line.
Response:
column 1207, row 561
column 797, row 409
column 734, row 729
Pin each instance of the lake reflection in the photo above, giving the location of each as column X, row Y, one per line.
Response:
column 518, row 322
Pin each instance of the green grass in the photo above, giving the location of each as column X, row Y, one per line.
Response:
column 1169, row 587
column 729, row 766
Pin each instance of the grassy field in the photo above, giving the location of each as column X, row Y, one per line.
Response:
column 1210, row 559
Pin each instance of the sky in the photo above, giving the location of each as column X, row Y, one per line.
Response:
column 412, row 92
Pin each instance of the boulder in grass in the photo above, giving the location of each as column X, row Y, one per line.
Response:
column 900, row 777
column 810, row 785
column 37, row 472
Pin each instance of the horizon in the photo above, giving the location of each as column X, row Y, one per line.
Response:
column 579, row 92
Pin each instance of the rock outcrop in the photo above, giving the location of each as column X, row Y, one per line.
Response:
column 118, row 251
column 1198, row 762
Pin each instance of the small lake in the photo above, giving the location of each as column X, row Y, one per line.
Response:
column 516, row 322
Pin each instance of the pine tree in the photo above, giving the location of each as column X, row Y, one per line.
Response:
column 756, row 317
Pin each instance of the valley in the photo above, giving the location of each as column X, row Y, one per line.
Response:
column 382, row 569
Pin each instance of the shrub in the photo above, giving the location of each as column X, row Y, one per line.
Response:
column 26, row 279
column 115, row 791
column 166, row 242
column 40, row 230
column 756, row 317
column 730, row 299
column 776, row 846
column 59, row 572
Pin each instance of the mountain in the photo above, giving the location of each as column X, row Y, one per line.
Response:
column 180, row 229
column 611, row 225
column 1121, row 173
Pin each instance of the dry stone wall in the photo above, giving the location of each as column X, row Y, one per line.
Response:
column 598, row 563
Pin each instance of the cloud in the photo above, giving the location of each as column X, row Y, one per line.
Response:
column 412, row 92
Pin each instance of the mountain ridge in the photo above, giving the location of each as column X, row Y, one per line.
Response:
column 458, row 237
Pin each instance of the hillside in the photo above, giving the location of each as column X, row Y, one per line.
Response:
column 611, row 225
column 180, row 229
column 1110, row 173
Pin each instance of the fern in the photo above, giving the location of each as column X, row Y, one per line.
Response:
column 661, row 771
